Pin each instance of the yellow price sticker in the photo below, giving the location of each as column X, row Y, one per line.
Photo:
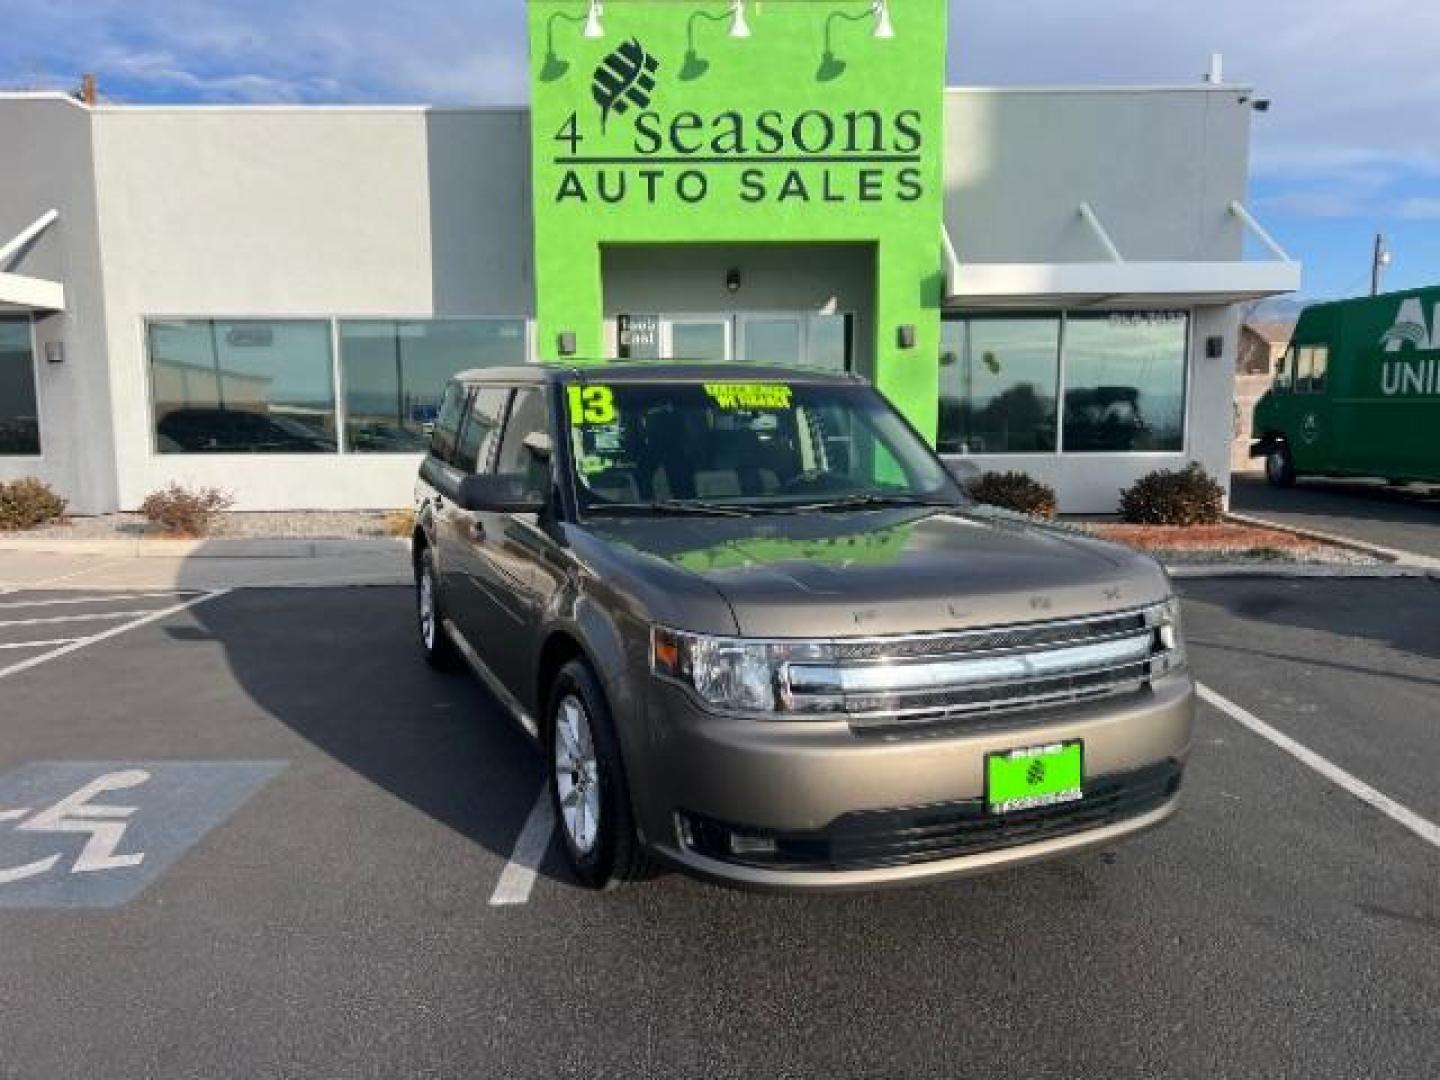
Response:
column 750, row 395
column 592, row 404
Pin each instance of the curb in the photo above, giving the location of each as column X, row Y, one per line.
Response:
column 1390, row 555
column 222, row 548
column 1321, row 571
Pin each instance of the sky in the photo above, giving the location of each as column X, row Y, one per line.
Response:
column 1350, row 147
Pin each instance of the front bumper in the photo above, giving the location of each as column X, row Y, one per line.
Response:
column 843, row 810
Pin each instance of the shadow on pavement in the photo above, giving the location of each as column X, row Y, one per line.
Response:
column 1359, row 608
column 341, row 667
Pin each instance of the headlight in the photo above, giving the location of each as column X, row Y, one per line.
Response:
column 731, row 674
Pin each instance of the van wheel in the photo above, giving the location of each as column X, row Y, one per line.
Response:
column 588, row 788
column 1280, row 467
column 439, row 651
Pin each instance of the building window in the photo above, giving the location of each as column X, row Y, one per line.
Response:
column 997, row 385
column 394, row 372
column 242, row 386
column 19, row 413
column 1125, row 383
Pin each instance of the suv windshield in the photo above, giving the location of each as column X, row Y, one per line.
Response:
column 724, row 446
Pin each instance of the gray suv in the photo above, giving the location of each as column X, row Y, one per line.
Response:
column 762, row 635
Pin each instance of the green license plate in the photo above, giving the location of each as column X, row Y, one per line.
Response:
column 1034, row 777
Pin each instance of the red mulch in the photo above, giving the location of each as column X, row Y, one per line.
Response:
column 1204, row 538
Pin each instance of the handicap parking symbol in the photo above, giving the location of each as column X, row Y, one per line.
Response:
column 95, row 834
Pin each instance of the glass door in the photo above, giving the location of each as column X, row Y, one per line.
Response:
column 770, row 339
column 696, row 337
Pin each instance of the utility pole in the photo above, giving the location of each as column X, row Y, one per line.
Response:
column 1378, row 264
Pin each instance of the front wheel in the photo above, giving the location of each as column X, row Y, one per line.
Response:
column 1280, row 467
column 588, row 789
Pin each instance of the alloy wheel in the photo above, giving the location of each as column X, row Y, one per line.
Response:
column 577, row 775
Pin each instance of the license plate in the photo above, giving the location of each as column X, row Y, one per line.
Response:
column 1034, row 777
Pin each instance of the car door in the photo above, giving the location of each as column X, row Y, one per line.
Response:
column 469, row 587
column 440, row 487
column 523, row 555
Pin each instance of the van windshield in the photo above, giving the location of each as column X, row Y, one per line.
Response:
column 746, row 447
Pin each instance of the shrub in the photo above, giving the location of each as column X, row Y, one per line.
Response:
column 182, row 511
column 28, row 503
column 400, row 523
column 1165, row 497
column 1014, row 491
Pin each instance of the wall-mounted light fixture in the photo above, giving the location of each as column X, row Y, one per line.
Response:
column 732, row 280
column 905, row 336
column 695, row 65
column 831, row 66
column 594, row 29
column 54, row 352
column 565, row 342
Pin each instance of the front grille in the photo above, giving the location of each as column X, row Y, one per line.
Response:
column 889, row 838
column 1034, row 635
column 945, row 681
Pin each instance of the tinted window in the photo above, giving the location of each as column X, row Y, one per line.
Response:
column 447, row 423
column 997, row 385
column 242, row 387
column 762, row 444
column 482, row 427
column 19, row 414
column 394, row 371
column 528, row 417
column 1125, row 382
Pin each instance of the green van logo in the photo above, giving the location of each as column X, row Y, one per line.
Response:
column 625, row 79
column 1410, row 329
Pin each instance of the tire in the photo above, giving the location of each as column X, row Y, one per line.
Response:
column 435, row 644
column 1280, row 467
column 588, row 788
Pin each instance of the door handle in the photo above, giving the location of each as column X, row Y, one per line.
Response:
column 477, row 529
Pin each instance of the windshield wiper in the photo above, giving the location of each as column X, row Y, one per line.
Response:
column 677, row 507
column 874, row 501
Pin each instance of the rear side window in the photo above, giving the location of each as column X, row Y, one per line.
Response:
column 447, row 423
column 476, row 448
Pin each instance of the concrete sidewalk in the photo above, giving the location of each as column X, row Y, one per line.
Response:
column 37, row 563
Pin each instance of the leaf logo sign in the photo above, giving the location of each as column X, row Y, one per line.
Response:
column 624, row 78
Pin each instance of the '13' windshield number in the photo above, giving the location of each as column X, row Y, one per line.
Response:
column 592, row 405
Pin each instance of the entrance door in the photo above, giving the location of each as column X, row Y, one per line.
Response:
column 697, row 337
column 776, row 337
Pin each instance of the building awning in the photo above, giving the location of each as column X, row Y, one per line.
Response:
column 19, row 292
column 1117, row 282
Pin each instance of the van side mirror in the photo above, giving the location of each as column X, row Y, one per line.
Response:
column 504, row 494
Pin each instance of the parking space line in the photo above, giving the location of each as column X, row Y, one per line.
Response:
column 1426, row 830
column 114, row 631
column 113, row 598
column 51, row 620
column 518, row 877
column 38, row 644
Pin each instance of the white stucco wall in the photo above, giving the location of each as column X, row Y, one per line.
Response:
column 301, row 212
column 48, row 165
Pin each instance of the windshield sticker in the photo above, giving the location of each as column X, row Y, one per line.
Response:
column 592, row 405
column 750, row 395
column 591, row 464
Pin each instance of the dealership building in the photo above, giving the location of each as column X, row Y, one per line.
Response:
column 269, row 299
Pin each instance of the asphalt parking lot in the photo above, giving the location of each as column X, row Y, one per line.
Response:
column 324, row 823
column 1399, row 518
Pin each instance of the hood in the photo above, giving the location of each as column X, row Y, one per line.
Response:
column 892, row 571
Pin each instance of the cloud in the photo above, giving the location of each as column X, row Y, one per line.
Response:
column 1424, row 208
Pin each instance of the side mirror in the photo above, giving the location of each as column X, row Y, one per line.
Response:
column 538, row 443
column 499, row 495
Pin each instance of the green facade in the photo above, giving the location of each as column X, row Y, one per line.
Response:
column 813, row 130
